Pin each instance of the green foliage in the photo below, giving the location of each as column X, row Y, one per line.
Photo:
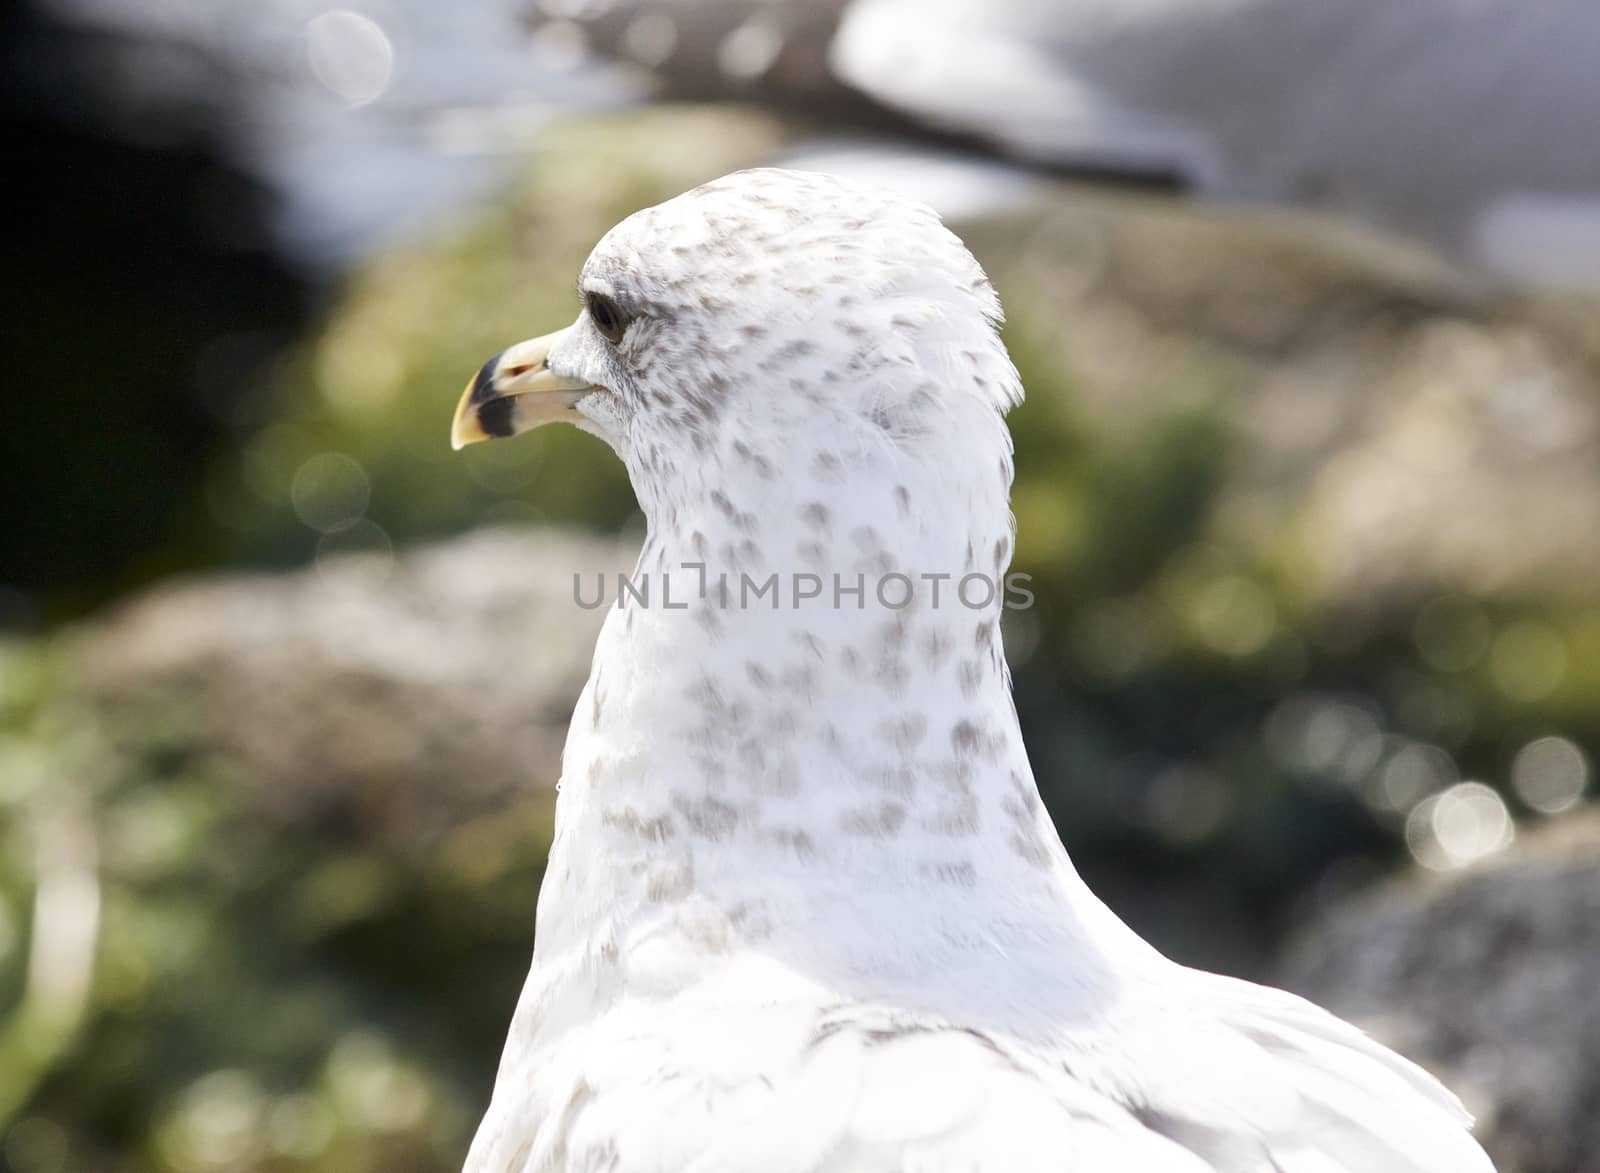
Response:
column 273, row 985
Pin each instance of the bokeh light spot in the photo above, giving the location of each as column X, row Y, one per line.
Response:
column 35, row 1144
column 373, row 1086
column 1410, row 775
column 1329, row 736
column 330, row 492
column 1234, row 615
column 358, row 374
column 1464, row 824
column 1186, row 805
column 269, row 463
column 750, row 50
column 351, row 55
column 1528, row 661
column 1550, row 775
column 216, row 1123
column 650, row 38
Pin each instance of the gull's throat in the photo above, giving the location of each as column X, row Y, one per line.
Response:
column 796, row 770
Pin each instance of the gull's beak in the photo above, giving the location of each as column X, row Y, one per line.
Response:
column 516, row 391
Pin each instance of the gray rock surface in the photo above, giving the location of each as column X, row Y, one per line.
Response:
column 452, row 667
column 1490, row 977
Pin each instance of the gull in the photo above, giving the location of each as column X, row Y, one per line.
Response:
column 1452, row 122
column 805, row 911
column 1457, row 125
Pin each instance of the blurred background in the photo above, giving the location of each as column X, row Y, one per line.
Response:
column 1308, row 483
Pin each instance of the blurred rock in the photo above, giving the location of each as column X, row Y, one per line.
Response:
column 1489, row 978
column 1395, row 431
column 408, row 691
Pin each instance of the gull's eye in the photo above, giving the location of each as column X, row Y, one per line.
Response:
column 607, row 316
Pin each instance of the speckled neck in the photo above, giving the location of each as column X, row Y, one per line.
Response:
column 742, row 770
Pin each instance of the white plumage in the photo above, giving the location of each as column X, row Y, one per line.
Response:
column 804, row 909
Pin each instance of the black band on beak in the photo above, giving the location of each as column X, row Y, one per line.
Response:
column 483, row 386
column 495, row 417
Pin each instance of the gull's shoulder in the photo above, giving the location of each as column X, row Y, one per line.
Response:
column 812, row 1089
column 1187, row 1074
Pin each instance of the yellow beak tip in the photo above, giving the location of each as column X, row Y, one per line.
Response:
column 465, row 428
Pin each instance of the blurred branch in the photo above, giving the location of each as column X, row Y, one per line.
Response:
column 65, row 929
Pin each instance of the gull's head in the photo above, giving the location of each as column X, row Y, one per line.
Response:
column 757, row 310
